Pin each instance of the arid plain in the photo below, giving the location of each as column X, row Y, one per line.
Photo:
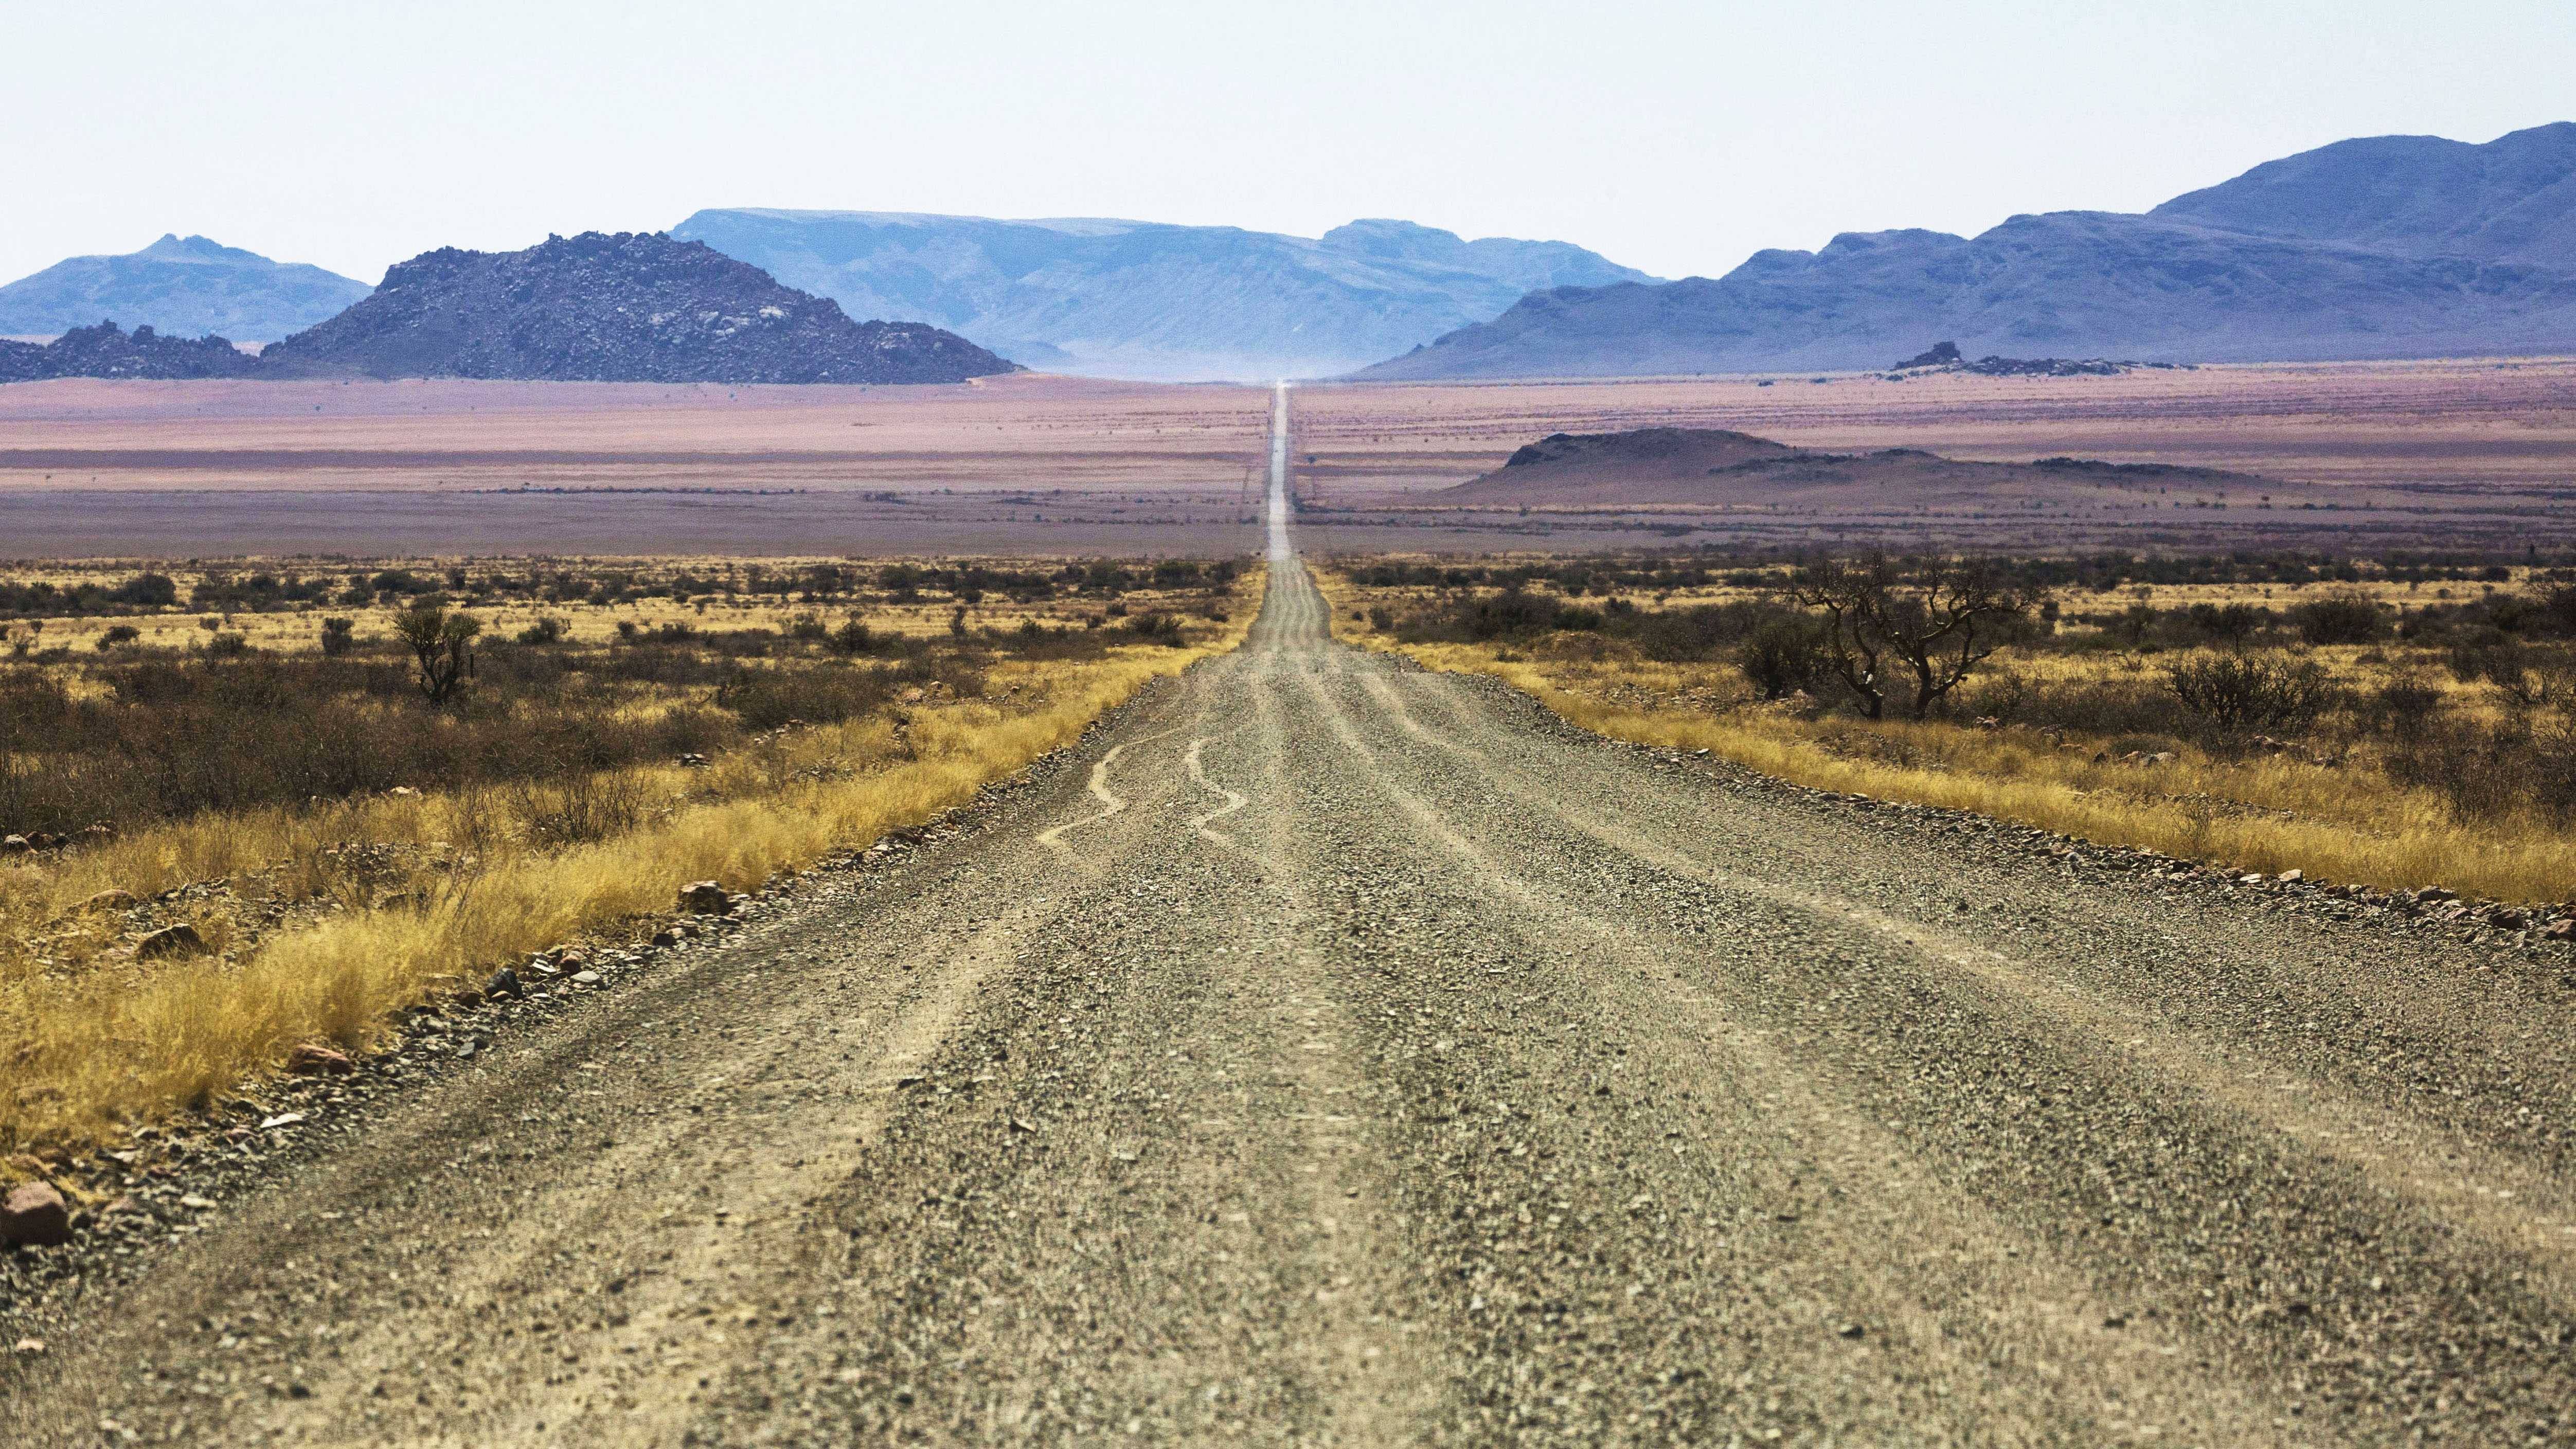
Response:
column 2462, row 453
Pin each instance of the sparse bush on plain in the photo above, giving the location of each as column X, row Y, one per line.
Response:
column 2235, row 695
column 2341, row 619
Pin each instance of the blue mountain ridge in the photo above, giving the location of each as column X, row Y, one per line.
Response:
column 2384, row 247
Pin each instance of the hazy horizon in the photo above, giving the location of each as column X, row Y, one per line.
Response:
column 1675, row 139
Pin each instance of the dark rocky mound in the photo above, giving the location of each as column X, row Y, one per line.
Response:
column 1691, row 450
column 1945, row 357
column 633, row 307
column 1711, row 467
column 105, row 351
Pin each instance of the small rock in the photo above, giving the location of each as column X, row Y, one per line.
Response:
column 28, row 1347
column 282, row 1119
column 2562, row 929
column 572, row 958
column 169, row 941
column 111, row 900
column 313, row 1059
column 2291, row 877
column 668, row 936
column 1852, row 1330
column 402, row 792
column 34, row 1216
column 504, row 982
column 705, row 898
column 2433, row 895
column 585, row 978
column 194, row 1203
column 14, row 845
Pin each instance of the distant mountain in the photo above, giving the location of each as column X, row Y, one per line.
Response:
column 2511, row 200
column 1147, row 300
column 191, row 286
column 633, row 307
column 2395, row 247
column 107, row 351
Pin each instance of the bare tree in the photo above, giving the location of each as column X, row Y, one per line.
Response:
column 1933, row 621
column 442, row 642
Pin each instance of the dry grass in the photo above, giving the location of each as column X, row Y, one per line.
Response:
column 93, row 1038
column 2267, row 813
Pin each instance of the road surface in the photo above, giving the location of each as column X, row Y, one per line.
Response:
column 1340, row 1053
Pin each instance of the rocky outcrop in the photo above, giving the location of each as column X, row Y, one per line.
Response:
column 632, row 307
column 1944, row 357
column 107, row 351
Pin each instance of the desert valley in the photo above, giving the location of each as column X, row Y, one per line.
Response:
column 849, row 827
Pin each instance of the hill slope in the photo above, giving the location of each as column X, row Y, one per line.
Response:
column 2394, row 247
column 633, row 307
column 178, row 285
column 1145, row 300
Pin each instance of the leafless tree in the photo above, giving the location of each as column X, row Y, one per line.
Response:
column 1932, row 620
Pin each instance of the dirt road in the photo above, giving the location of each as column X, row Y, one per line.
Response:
column 1346, row 1054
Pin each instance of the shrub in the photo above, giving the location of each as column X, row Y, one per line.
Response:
column 548, row 629
column 2237, row 694
column 1157, row 627
column 2342, row 619
column 1783, row 656
column 339, row 636
column 116, row 634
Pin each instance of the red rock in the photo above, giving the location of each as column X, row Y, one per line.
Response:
column 313, row 1059
column 705, row 897
column 34, row 1215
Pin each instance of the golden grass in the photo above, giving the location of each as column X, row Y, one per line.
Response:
column 2264, row 813
column 119, row 1041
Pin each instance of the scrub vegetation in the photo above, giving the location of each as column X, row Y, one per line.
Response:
column 2391, row 723
column 354, row 800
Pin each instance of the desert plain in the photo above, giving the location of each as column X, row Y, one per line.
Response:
column 2471, row 454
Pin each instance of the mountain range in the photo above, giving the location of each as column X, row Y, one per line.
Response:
column 2392, row 246
column 177, row 285
column 1147, row 300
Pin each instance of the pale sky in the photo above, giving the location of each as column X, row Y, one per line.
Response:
column 1677, row 138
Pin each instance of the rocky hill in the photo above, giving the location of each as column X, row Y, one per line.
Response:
column 177, row 285
column 1714, row 468
column 1144, row 300
column 2393, row 247
column 107, row 351
column 632, row 307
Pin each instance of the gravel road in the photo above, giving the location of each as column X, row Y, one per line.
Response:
column 1340, row 1053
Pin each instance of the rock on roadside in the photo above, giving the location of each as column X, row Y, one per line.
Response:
column 35, row 1216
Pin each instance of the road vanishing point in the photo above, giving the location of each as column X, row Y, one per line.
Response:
column 1331, row 1052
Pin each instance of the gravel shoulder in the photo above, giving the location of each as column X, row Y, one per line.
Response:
column 1334, row 1052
